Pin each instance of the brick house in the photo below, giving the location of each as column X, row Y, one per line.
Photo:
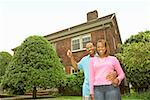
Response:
column 75, row 38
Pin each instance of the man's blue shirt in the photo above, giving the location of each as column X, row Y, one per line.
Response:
column 84, row 65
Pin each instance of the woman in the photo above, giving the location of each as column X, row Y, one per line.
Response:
column 100, row 86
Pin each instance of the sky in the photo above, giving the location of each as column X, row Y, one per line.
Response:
column 20, row 19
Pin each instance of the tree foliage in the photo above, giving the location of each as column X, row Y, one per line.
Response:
column 73, row 84
column 140, row 37
column 135, row 57
column 35, row 63
column 5, row 58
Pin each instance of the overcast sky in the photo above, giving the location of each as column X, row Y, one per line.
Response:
column 22, row 18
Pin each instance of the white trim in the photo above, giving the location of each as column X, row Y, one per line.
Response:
column 75, row 71
column 85, row 36
column 80, row 33
column 114, row 43
column 81, row 42
column 94, row 25
column 76, row 38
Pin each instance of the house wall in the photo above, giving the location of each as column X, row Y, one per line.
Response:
column 61, row 49
column 65, row 44
column 107, row 34
column 104, row 27
column 96, row 35
column 109, row 39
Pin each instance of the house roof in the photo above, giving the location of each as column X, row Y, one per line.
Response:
column 82, row 28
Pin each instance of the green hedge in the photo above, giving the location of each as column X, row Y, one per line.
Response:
column 73, row 85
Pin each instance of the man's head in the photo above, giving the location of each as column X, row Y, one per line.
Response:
column 90, row 49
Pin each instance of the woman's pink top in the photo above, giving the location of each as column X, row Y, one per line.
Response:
column 100, row 68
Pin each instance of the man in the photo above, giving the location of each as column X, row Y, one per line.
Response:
column 83, row 64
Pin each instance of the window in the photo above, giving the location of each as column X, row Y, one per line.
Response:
column 79, row 43
column 74, row 71
column 76, row 44
column 85, row 40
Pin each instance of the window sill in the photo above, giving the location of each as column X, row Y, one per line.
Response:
column 78, row 50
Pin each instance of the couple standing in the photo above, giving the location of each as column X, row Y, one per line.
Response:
column 102, row 73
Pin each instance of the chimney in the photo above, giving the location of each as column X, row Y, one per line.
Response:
column 92, row 15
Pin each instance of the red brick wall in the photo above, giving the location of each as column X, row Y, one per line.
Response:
column 101, row 34
column 68, row 69
column 109, row 39
column 61, row 49
column 63, row 45
column 96, row 35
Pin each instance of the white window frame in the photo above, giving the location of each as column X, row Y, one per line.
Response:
column 85, row 36
column 114, row 43
column 76, row 38
column 73, row 71
column 81, row 42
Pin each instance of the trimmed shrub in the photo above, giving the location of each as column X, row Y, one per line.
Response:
column 34, row 64
column 73, row 85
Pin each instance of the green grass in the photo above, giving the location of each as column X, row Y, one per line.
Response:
column 80, row 98
column 130, row 98
column 125, row 97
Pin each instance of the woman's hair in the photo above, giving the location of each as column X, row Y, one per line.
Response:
column 106, row 45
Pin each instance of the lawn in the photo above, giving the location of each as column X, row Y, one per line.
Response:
column 131, row 97
column 65, row 98
column 79, row 98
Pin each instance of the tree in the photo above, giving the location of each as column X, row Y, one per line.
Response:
column 135, row 58
column 140, row 37
column 35, row 64
column 5, row 58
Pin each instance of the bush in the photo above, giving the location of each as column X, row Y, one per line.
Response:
column 134, row 56
column 5, row 58
column 34, row 64
column 73, row 85
column 145, row 95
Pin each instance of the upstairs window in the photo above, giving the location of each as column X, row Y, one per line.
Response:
column 85, row 40
column 75, row 44
column 79, row 43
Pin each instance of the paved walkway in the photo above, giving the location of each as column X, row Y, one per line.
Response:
column 28, row 97
column 41, row 94
column 15, row 98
